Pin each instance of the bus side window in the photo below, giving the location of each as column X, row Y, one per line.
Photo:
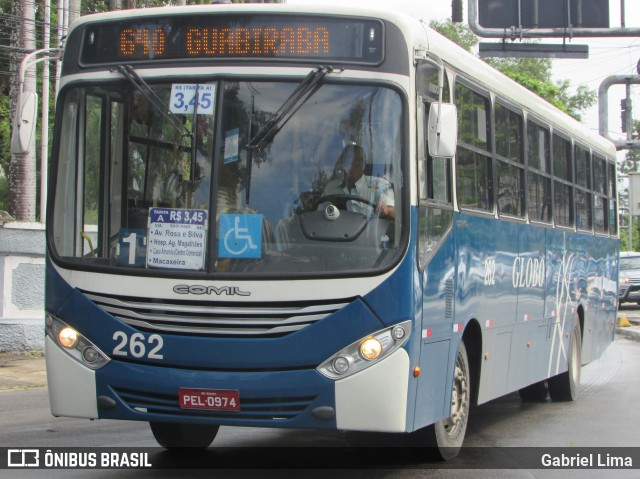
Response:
column 510, row 161
column 613, row 200
column 474, row 165
column 427, row 82
column 584, row 201
column 539, row 179
column 563, row 200
column 600, row 191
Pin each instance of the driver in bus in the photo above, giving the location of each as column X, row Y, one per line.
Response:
column 349, row 179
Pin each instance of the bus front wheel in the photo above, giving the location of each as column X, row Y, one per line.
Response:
column 171, row 436
column 443, row 440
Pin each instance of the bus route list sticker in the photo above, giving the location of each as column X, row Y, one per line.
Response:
column 177, row 238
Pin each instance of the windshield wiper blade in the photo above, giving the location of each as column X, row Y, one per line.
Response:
column 130, row 74
column 290, row 106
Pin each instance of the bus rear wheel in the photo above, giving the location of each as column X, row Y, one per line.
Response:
column 565, row 386
column 536, row 392
column 442, row 441
column 170, row 435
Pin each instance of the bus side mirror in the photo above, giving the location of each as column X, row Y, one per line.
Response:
column 442, row 130
column 24, row 125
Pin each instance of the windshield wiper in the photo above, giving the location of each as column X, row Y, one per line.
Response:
column 298, row 97
column 152, row 97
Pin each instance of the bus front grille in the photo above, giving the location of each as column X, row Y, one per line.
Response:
column 214, row 319
column 268, row 409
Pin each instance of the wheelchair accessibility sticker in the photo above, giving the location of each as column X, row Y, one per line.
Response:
column 240, row 236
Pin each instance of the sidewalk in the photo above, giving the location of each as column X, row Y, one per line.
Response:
column 22, row 371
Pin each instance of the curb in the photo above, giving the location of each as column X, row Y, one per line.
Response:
column 632, row 333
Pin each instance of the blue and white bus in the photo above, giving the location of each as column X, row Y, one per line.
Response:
column 274, row 216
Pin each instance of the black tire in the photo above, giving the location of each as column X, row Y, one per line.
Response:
column 442, row 441
column 536, row 392
column 565, row 386
column 170, row 435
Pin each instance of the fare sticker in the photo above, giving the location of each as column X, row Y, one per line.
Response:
column 177, row 238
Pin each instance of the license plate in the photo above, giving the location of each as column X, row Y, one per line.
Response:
column 209, row 399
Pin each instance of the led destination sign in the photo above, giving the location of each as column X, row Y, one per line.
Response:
column 229, row 37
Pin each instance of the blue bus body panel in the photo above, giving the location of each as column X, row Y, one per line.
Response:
column 276, row 377
column 303, row 349
column 267, row 399
column 521, row 285
column 518, row 285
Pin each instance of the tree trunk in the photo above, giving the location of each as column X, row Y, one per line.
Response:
column 74, row 11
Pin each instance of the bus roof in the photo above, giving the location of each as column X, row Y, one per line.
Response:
column 419, row 35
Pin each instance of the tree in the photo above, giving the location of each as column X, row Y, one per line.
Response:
column 630, row 163
column 624, row 235
column 532, row 73
column 6, row 33
column 9, row 28
column 459, row 33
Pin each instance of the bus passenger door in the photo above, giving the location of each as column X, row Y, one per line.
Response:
column 436, row 262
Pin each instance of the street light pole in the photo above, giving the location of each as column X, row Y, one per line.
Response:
column 630, row 216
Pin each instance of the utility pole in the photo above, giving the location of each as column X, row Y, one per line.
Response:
column 22, row 171
column 63, row 24
column 44, row 126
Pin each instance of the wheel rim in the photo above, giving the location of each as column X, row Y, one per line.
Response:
column 459, row 401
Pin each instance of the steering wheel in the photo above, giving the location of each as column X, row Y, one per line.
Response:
column 340, row 200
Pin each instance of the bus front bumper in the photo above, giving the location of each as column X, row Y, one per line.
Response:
column 374, row 399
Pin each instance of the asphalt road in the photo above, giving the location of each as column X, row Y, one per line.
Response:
column 605, row 415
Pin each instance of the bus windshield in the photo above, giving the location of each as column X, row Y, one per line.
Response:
column 187, row 189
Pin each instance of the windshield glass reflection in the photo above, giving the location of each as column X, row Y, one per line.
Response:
column 320, row 194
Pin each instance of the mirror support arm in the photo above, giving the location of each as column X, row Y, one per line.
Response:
column 20, row 143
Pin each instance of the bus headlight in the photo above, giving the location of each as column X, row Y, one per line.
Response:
column 68, row 337
column 370, row 349
column 366, row 351
column 75, row 344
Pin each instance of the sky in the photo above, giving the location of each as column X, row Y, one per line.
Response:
column 607, row 56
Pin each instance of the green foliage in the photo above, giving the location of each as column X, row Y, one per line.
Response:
column 630, row 163
column 546, row 90
column 635, row 236
column 458, row 33
column 539, row 68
